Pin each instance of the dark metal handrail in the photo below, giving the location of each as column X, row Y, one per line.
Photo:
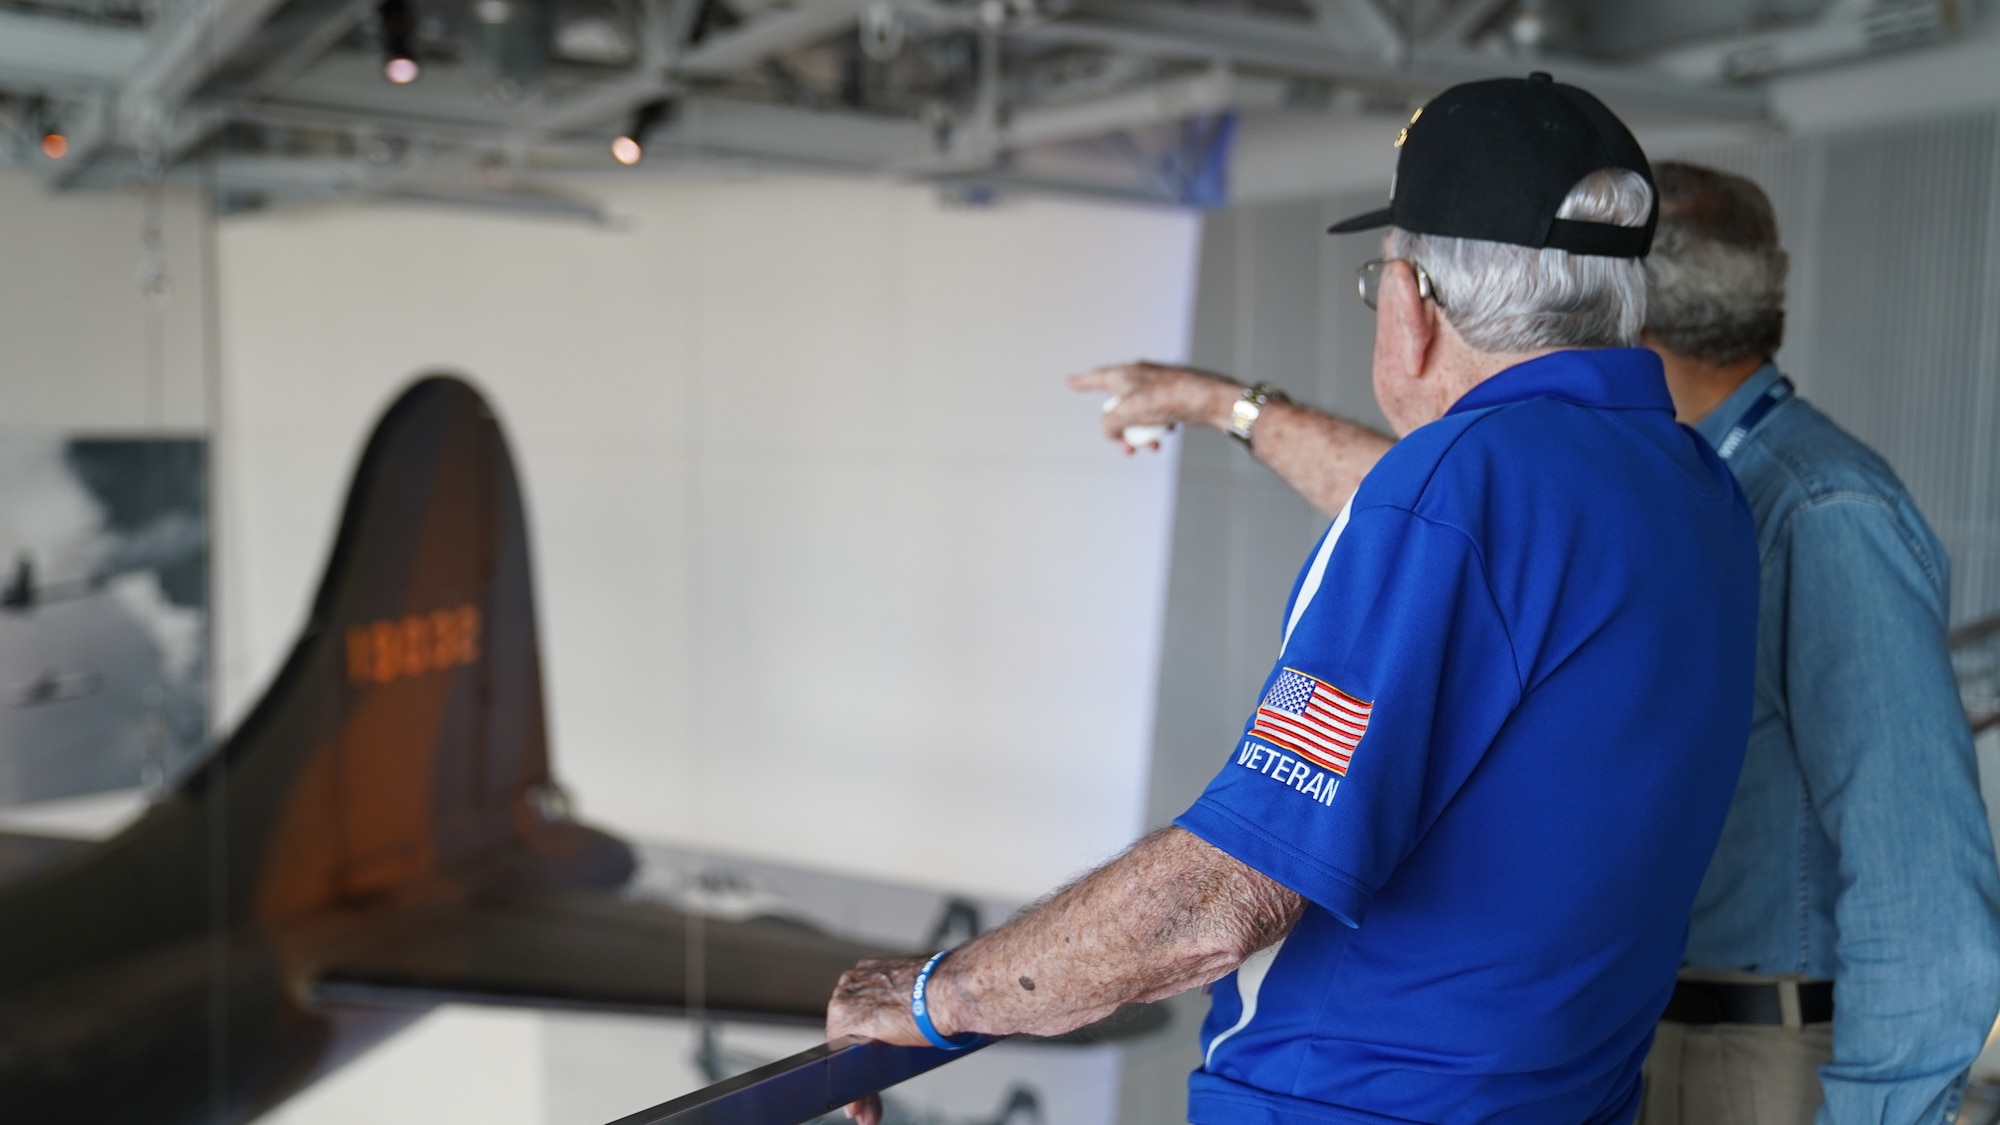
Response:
column 1978, row 672
column 801, row 1087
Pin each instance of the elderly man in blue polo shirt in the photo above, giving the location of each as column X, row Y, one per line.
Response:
column 1843, row 961
column 1444, row 874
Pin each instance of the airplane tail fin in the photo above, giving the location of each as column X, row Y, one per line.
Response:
column 404, row 742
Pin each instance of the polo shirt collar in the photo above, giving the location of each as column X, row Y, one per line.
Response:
column 1724, row 417
column 1605, row 378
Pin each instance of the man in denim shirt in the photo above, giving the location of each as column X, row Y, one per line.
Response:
column 1844, row 951
column 1856, row 851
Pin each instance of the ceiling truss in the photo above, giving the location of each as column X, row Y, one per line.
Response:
column 284, row 99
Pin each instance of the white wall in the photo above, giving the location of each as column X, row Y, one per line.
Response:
column 832, row 568
column 80, row 348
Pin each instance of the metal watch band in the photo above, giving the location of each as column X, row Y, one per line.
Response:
column 1243, row 415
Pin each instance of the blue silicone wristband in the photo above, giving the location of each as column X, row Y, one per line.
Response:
column 921, row 1012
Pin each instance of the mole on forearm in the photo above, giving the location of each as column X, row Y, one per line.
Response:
column 1028, row 983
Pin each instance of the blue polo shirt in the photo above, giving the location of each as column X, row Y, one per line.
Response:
column 1494, row 754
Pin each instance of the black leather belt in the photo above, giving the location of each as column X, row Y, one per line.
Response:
column 1712, row 1002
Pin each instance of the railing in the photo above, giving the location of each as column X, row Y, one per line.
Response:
column 802, row 1087
column 1975, row 659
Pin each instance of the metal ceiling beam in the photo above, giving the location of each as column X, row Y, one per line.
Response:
column 182, row 55
column 294, row 181
column 1170, row 100
column 1628, row 89
column 37, row 51
column 1455, row 28
column 330, row 119
column 504, row 201
column 352, row 81
column 776, row 147
column 826, row 136
column 710, row 124
column 761, row 38
column 664, row 26
column 1177, row 32
column 1842, row 33
column 1369, row 20
column 996, row 180
column 828, row 141
column 600, row 104
column 192, row 130
column 730, row 50
column 308, row 47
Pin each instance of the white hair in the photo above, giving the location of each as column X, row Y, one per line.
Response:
column 1507, row 298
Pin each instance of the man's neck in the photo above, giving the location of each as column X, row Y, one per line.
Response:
column 1463, row 368
column 1698, row 388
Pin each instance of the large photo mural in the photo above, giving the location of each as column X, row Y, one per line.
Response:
column 104, row 610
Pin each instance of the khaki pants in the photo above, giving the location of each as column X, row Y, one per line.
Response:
column 1732, row 1074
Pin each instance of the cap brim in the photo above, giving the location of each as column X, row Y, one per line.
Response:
column 1370, row 221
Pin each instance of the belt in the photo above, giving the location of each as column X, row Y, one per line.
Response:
column 1712, row 1002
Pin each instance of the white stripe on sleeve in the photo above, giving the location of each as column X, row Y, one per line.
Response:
column 1249, row 981
column 1318, row 572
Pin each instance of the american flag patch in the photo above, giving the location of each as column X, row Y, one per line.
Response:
column 1312, row 718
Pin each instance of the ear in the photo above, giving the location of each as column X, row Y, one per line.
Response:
column 1408, row 323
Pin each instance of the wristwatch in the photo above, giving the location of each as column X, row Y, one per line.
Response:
column 1243, row 415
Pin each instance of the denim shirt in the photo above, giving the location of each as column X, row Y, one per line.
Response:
column 1857, row 848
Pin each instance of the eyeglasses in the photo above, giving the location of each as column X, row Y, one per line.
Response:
column 1368, row 279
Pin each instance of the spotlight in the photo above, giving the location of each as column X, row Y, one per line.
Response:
column 55, row 146
column 1530, row 25
column 399, row 54
column 630, row 146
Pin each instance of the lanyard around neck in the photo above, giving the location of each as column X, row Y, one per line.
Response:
column 1773, row 395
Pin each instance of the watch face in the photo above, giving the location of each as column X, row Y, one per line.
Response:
column 1242, row 416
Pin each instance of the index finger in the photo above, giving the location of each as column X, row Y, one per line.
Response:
column 1112, row 378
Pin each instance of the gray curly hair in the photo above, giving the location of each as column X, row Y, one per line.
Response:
column 1717, row 272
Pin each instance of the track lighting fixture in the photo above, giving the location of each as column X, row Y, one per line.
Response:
column 399, row 51
column 629, row 147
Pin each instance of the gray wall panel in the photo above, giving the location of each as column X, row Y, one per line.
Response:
column 1895, row 272
column 1280, row 341
column 1346, row 326
column 1238, row 533
column 1275, row 303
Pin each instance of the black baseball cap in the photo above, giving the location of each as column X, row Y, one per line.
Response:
column 1493, row 160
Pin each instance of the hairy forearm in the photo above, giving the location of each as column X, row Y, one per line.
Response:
column 1171, row 914
column 1323, row 457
